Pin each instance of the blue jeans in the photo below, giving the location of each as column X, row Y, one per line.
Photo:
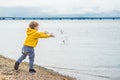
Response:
column 30, row 52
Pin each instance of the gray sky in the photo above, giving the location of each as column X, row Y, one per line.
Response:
column 59, row 7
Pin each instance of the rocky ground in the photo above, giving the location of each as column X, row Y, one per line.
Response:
column 8, row 73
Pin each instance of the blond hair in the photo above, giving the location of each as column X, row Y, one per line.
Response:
column 33, row 24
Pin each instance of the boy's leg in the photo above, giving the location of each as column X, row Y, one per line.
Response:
column 21, row 58
column 31, row 58
column 31, row 61
column 19, row 61
column 25, row 51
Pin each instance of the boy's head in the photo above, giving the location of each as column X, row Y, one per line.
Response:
column 34, row 25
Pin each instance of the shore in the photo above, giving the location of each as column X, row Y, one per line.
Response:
column 7, row 72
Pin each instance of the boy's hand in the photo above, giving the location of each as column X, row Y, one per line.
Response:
column 51, row 35
column 46, row 32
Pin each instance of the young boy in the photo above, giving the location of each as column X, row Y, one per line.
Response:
column 31, row 41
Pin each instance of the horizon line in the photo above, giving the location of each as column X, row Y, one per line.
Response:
column 57, row 18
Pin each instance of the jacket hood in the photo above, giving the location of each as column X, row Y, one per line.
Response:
column 30, row 31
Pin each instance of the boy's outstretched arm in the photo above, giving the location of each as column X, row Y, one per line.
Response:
column 43, row 35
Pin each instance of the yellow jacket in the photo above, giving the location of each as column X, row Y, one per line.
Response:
column 33, row 36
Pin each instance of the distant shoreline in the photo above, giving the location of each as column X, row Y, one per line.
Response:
column 59, row 18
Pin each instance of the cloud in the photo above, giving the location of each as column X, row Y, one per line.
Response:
column 58, row 7
column 54, row 12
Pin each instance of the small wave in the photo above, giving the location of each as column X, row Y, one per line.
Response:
column 77, row 71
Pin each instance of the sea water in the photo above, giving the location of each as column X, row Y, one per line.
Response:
column 84, row 49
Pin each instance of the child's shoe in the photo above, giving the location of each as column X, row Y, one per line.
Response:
column 32, row 71
column 16, row 65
